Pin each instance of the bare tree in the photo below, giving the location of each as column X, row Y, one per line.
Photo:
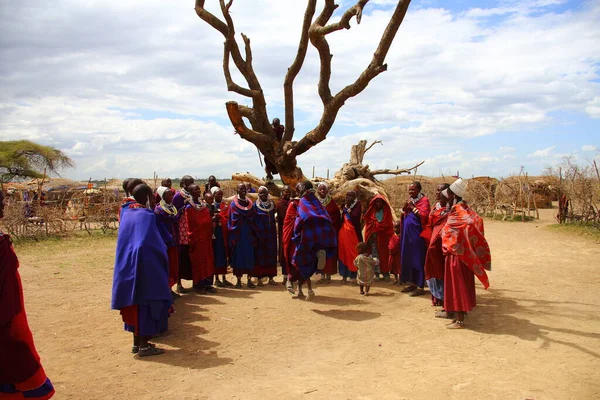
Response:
column 283, row 153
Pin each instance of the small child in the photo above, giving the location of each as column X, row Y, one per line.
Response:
column 394, row 248
column 366, row 267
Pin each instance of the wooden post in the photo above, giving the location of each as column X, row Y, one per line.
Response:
column 313, row 174
column 327, row 173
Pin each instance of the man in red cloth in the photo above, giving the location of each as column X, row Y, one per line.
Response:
column 200, row 232
column 293, row 274
column 467, row 255
column 21, row 373
column 434, row 261
column 281, row 209
column 379, row 228
column 336, row 220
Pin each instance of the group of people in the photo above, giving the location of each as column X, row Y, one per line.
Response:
column 195, row 234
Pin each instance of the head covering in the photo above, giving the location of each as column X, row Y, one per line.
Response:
column 323, row 184
column 214, row 190
column 263, row 187
column 459, row 188
column 161, row 190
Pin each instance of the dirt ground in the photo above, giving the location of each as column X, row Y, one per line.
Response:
column 534, row 335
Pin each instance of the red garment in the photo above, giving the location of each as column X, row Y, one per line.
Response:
column 281, row 209
column 200, row 232
column 462, row 236
column 288, row 245
column 434, row 261
column 459, row 285
column 19, row 361
column 347, row 242
column 394, row 254
column 384, row 230
column 331, row 265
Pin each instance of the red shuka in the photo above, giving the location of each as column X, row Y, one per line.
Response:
column 434, row 261
column 394, row 257
column 288, row 233
column 383, row 229
column 19, row 361
column 200, row 232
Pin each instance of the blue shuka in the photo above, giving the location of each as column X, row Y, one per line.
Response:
column 141, row 276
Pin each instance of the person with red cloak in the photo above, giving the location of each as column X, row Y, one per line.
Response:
column 282, row 206
column 434, row 260
column 219, row 211
column 379, row 228
column 198, row 220
column 265, row 253
column 336, row 220
column 414, row 219
column 349, row 235
column 21, row 373
column 467, row 255
column 313, row 237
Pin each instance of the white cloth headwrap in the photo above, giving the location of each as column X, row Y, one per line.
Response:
column 161, row 190
column 323, row 184
column 214, row 190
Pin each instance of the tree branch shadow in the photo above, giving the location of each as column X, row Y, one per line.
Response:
column 498, row 318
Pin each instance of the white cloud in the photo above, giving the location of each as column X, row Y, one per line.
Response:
column 543, row 152
column 589, row 147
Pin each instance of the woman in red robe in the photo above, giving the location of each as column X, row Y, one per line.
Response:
column 200, row 232
column 467, row 255
column 21, row 373
column 379, row 228
column 336, row 220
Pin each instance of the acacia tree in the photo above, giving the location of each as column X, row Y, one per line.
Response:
column 283, row 153
column 24, row 159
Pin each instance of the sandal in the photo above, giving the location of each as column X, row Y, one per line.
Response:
column 181, row 289
column 260, row 282
column 417, row 292
column 457, row 325
column 290, row 287
column 272, row 281
column 211, row 289
column 238, row 285
column 227, row 283
column 251, row 285
column 322, row 280
column 311, row 295
column 408, row 289
column 219, row 284
column 135, row 349
column 149, row 351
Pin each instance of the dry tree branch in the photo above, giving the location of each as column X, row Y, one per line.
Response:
column 232, row 86
column 373, row 144
column 333, row 104
column 294, row 69
column 396, row 171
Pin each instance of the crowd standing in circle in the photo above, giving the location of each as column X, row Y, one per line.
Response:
column 197, row 235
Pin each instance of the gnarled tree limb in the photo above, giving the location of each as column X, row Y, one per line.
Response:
column 293, row 70
column 396, row 171
column 332, row 105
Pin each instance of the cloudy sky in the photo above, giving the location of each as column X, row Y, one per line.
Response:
column 130, row 87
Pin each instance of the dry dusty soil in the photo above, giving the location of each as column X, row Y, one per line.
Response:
column 535, row 333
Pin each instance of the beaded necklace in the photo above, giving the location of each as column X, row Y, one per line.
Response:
column 325, row 201
column 169, row 208
column 266, row 206
column 240, row 205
